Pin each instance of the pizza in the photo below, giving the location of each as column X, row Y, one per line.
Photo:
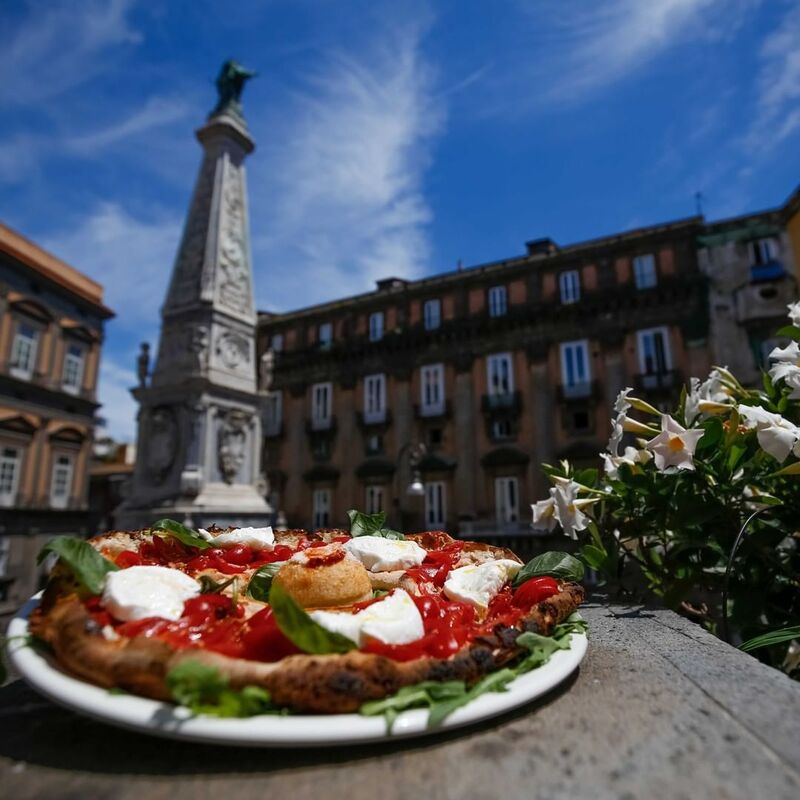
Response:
column 320, row 622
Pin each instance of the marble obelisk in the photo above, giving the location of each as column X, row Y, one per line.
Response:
column 199, row 429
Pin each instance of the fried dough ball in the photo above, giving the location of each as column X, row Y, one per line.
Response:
column 312, row 583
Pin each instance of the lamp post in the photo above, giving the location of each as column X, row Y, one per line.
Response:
column 416, row 451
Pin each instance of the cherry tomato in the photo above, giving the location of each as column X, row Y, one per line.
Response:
column 534, row 591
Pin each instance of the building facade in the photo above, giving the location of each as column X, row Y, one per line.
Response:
column 471, row 379
column 751, row 262
column 51, row 333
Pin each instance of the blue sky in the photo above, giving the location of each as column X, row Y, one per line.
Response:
column 393, row 138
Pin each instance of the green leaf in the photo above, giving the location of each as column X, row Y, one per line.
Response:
column 301, row 629
column 204, row 690
column 773, row 637
column 713, row 433
column 586, row 477
column 419, row 695
column 88, row 566
column 790, row 331
column 362, row 524
column 561, row 566
column 209, row 586
column 180, row 532
column 261, row 582
column 594, row 556
column 735, row 456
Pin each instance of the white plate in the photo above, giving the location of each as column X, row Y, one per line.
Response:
column 164, row 719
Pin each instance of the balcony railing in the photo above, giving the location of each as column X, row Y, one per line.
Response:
column 509, row 402
column 665, row 380
column 321, row 424
column 441, row 409
column 365, row 419
column 577, row 391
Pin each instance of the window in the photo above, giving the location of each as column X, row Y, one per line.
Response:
column 5, row 551
column 500, row 375
column 498, row 301
column 435, row 505
column 581, row 422
column 374, row 499
column 762, row 251
column 506, row 498
column 654, row 355
column 570, row 285
column 61, row 484
column 376, row 326
column 277, row 342
column 644, row 271
column 502, row 429
column 375, row 398
column 374, row 444
column 432, row 390
column 272, row 413
column 325, row 335
column 23, row 351
column 321, row 405
column 10, row 462
column 575, row 372
column 321, row 502
column 435, row 437
column 432, row 314
column 73, row 369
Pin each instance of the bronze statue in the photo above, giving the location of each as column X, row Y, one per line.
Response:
column 230, row 83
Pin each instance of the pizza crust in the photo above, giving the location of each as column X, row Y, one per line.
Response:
column 305, row 683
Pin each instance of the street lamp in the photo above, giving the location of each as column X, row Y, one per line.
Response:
column 416, row 452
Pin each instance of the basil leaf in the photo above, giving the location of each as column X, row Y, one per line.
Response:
column 261, row 581
column 203, row 690
column 301, row 629
column 180, row 532
column 362, row 524
column 88, row 566
column 561, row 566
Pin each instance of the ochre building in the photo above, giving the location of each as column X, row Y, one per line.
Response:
column 469, row 380
column 51, row 332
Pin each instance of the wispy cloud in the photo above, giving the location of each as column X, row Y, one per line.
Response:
column 577, row 48
column 339, row 197
column 777, row 115
column 60, row 45
column 119, row 408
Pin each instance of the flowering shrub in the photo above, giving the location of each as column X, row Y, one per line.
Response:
column 664, row 512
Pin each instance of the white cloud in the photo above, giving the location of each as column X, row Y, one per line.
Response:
column 131, row 257
column 337, row 200
column 119, row 408
column 777, row 116
column 580, row 47
column 60, row 45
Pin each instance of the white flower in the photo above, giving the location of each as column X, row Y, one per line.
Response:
column 621, row 404
column 788, row 367
column 675, row 445
column 562, row 506
column 794, row 313
column 776, row 435
column 630, row 457
column 712, row 390
column 544, row 518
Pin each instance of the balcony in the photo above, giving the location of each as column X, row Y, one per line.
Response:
column 432, row 411
column 510, row 403
column 373, row 419
column 584, row 390
column 764, row 299
column 321, row 424
column 664, row 381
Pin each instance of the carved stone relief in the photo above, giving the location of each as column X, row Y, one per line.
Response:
column 232, row 443
column 184, row 348
column 234, row 349
column 162, row 442
column 234, row 279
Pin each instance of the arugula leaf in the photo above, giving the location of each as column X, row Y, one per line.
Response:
column 561, row 566
column 180, row 532
column 362, row 524
column 203, row 690
column 209, row 586
column 261, row 581
column 301, row 629
column 88, row 566
column 443, row 698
